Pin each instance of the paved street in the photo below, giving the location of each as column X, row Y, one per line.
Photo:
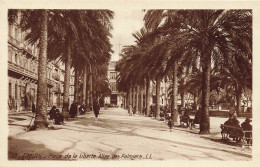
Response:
column 115, row 135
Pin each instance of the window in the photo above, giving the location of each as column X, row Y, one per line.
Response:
column 9, row 29
column 16, row 91
column 24, row 62
column 22, row 92
column 10, row 89
column 29, row 64
column 71, row 90
column 23, row 37
column 16, row 58
column 16, row 34
column 32, row 90
column 10, row 55
column 112, row 75
column 113, row 87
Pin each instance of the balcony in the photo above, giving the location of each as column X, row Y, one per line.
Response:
column 21, row 70
column 27, row 49
column 14, row 42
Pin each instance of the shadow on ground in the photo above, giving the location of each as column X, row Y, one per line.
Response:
column 19, row 149
column 112, row 127
column 108, row 125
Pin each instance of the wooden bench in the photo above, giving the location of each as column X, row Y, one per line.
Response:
column 237, row 133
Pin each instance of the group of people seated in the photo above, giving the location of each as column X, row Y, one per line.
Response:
column 56, row 116
column 232, row 121
column 185, row 117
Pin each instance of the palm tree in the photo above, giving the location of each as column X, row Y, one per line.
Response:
column 65, row 107
column 41, row 17
column 41, row 104
column 235, row 75
column 147, row 95
column 205, row 34
column 77, row 22
column 65, row 27
column 142, row 62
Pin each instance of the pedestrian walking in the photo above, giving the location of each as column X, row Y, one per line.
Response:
column 73, row 110
column 96, row 109
column 134, row 110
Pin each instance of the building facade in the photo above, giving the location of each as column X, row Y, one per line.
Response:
column 115, row 99
column 23, row 73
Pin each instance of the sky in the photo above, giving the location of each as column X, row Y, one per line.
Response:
column 125, row 23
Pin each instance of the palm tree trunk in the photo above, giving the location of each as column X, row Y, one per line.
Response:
column 195, row 100
column 65, row 108
column 128, row 99
column 142, row 100
column 90, row 89
column 84, row 90
column 205, row 122
column 133, row 94
column 158, row 84
column 130, row 96
column 238, row 98
column 144, row 92
column 174, row 106
column 41, row 106
column 166, row 94
column 137, row 98
column 147, row 96
column 94, row 96
column 125, row 101
column 76, row 85
column 182, row 99
column 87, row 96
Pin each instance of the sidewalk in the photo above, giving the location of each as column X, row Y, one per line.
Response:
column 117, row 133
column 19, row 121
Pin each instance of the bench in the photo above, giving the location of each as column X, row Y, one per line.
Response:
column 237, row 133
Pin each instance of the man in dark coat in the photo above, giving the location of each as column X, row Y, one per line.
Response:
column 96, row 109
column 73, row 110
column 52, row 112
column 246, row 125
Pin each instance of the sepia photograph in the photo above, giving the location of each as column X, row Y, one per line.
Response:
column 137, row 84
